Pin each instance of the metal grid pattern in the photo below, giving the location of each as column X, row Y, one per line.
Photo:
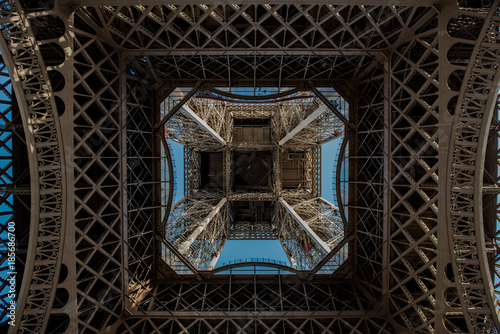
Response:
column 192, row 177
column 290, row 27
column 226, row 69
column 324, row 128
column 307, row 229
column 412, row 152
column 15, row 193
column 26, row 66
column 197, row 227
column 98, row 152
column 186, row 131
column 475, row 109
column 393, row 206
column 336, row 307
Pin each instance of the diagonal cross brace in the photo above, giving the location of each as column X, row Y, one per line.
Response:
column 304, row 123
column 184, row 247
column 320, row 243
column 201, row 123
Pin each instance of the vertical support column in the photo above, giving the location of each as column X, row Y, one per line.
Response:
column 217, row 256
column 277, row 171
column 317, row 171
column 289, row 255
column 309, row 170
column 227, row 167
column 191, row 171
column 445, row 250
column 227, row 171
column 386, row 220
column 352, row 134
column 67, row 132
column 123, row 183
column 445, row 128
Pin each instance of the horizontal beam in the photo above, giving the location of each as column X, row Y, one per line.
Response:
column 202, row 124
column 252, row 2
column 250, row 146
column 325, row 52
column 264, row 314
column 15, row 189
column 491, row 189
column 252, row 196
column 320, row 243
column 305, row 122
column 245, row 82
column 184, row 247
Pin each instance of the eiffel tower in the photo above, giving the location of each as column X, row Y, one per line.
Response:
column 93, row 92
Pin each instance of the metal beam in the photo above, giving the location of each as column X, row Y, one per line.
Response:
column 329, row 105
column 242, row 2
column 15, row 189
column 327, row 258
column 202, row 124
column 217, row 256
column 289, row 254
column 331, row 205
column 326, row 52
column 491, row 189
column 321, row 109
column 265, row 314
column 178, row 106
column 320, row 243
column 184, row 247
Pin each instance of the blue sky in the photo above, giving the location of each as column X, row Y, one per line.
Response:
column 329, row 155
column 177, row 151
column 241, row 249
column 6, row 205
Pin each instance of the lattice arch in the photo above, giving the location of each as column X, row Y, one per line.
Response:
column 89, row 78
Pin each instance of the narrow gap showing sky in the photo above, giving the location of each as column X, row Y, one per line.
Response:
column 329, row 158
column 177, row 151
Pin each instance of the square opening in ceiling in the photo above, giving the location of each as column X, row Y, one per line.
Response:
column 252, row 168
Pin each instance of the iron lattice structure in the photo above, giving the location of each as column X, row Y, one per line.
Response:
column 251, row 153
column 86, row 80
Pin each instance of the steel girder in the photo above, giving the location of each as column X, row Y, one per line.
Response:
column 92, row 174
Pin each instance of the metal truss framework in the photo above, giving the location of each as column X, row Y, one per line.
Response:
column 198, row 227
column 308, row 230
column 423, row 82
column 15, row 193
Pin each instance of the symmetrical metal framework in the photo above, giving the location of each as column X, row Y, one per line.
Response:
column 238, row 150
column 88, row 78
